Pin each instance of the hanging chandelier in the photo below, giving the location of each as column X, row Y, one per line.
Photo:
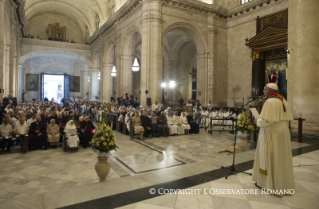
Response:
column 113, row 73
column 135, row 66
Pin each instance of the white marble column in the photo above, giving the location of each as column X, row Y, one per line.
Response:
column 85, row 75
column 118, row 64
column 13, row 72
column 127, row 63
column 2, row 26
column 13, row 53
column 202, row 78
column 107, row 82
column 6, row 70
column 211, row 59
column 20, row 82
column 152, row 60
column 303, row 65
column 95, row 85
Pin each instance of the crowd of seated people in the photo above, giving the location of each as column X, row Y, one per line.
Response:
column 39, row 125
column 43, row 123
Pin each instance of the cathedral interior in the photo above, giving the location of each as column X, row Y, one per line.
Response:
column 218, row 51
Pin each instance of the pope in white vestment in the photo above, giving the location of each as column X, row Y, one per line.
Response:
column 273, row 158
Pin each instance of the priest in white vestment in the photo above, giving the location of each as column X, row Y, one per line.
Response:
column 177, row 121
column 171, row 127
column 273, row 159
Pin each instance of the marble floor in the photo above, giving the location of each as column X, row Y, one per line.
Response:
column 56, row 179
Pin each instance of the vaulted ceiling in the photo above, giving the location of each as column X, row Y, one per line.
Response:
column 83, row 12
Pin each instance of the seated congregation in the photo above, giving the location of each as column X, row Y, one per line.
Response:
column 40, row 125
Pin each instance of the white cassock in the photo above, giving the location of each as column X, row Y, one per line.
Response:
column 184, row 120
column 127, row 121
column 273, row 158
column 171, row 127
column 205, row 119
column 177, row 121
column 227, row 122
column 221, row 116
column 214, row 115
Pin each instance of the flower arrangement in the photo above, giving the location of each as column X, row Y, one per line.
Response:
column 103, row 140
column 243, row 123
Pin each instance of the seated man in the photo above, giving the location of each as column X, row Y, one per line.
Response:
column 5, row 133
column 194, row 126
column 32, row 119
column 87, row 128
column 21, row 131
column 39, row 136
column 121, row 120
column 155, row 127
column 146, row 123
column 162, row 122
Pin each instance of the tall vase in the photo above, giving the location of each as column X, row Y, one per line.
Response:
column 102, row 167
column 241, row 142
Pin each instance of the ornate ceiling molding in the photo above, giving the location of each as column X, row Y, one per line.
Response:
column 21, row 16
column 126, row 9
column 87, row 22
column 96, row 4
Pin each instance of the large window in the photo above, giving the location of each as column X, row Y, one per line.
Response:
column 244, row 1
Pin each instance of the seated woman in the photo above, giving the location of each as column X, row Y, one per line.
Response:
column 71, row 133
column 184, row 122
column 53, row 132
column 137, row 125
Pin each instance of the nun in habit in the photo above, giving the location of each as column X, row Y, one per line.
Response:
column 71, row 133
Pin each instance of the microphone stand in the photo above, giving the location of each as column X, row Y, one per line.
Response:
column 232, row 168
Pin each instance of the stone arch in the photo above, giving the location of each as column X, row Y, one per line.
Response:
column 133, row 33
column 182, row 57
column 133, row 38
column 192, row 31
column 48, row 52
column 108, row 52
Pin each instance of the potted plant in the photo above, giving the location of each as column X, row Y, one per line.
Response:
column 102, row 143
column 243, row 127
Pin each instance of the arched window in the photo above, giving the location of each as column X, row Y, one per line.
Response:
column 99, row 24
column 244, row 1
column 112, row 10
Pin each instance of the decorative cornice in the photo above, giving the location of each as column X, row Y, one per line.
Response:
column 21, row 16
column 126, row 9
column 247, row 7
column 191, row 5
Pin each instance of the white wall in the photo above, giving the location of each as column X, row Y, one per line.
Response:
column 55, row 64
